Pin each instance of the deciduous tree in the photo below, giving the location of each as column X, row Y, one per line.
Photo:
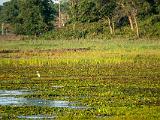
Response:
column 130, row 8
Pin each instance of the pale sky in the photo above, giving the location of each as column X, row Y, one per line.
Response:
column 2, row 1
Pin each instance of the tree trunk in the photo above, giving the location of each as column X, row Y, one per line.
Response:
column 74, row 26
column 110, row 26
column 59, row 7
column 2, row 28
column 131, row 22
column 113, row 27
column 136, row 25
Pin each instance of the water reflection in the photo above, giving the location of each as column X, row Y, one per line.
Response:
column 13, row 92
column 10, row 98
column 36, row 117
column 35, row 102
column 11, row 101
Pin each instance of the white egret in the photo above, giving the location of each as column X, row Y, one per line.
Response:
column 38, row 74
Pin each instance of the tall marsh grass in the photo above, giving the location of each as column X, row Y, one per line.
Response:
column 73, row 58
column 121, row 44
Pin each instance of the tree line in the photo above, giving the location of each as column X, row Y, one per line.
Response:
column 117, row 13
column 31, row 17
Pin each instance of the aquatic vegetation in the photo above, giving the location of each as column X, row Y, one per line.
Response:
column 89, row 84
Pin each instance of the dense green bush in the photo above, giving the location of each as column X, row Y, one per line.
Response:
column 150, row 26
column 78, row 31
column 28, row 17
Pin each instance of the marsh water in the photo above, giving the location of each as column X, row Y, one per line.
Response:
column 13, row 92
column 80, row 91
column 15, row 98
column 37, row 117
column 12, row 98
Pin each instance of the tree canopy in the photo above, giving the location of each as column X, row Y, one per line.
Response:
column 29, row 17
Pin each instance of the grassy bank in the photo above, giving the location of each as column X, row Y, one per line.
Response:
column 114, row 44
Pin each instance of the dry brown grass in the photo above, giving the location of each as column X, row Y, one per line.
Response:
column 11, row 37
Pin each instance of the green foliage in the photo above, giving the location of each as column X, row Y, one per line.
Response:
column 0, row 13
column 118, row 11
column 158, row 8
column 84, row 11
column 151, row 26
column 107, row 8
column 29, row 17
column 78, row 31
column 108, row 17
column 10, row 11
column 32, row 23
column 87, row 12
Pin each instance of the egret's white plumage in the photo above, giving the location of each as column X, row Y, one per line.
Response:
column 38, row 74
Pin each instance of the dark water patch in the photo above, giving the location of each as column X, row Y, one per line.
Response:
column 36, row 117
column 13, row 101
column 149, row 103
column 70, row 49
column 105, row 116
column 49, row 50
column 145, row 91
column 9, row 51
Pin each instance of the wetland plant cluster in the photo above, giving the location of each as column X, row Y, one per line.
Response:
column 100, row 84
